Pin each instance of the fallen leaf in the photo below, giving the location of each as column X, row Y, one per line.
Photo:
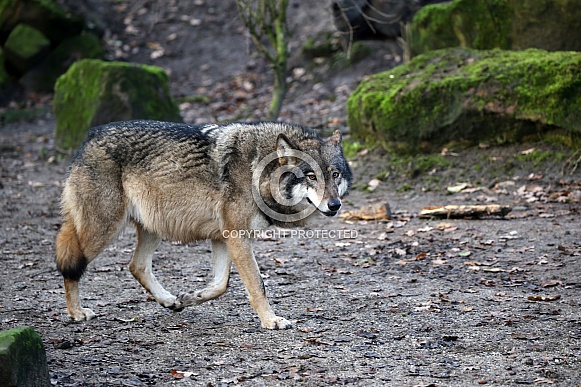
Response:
column 457, row 188
column 373, row 184
column 551, row 283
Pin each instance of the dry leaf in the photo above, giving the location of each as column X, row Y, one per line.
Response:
column 457, row 188
column 549, row 284
column 373, row 184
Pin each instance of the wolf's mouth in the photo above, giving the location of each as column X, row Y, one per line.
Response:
column 326, row 213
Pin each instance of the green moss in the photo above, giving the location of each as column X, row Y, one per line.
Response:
column 467, row 96
column 351, row 148
column 553, row 25
column 322, row 45
column 357, row 52
column 479, row 24
column 6, row 7
column 95, row 92
column 26, row 42
column 405, row 188
column 22, row 358
column 194, row 99
column 22, row 115
column 538, row 157
column 382, row 176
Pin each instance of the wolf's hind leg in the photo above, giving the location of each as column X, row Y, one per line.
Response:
column 219, row 284
column 72, row 262
column 74, row 309
column 141, row 267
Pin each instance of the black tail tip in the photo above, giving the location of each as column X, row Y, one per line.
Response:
column 75, row 271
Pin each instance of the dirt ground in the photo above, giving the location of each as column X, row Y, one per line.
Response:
column 403, row 302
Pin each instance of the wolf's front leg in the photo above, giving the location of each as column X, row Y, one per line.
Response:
column 240, row 249
column 219, row 284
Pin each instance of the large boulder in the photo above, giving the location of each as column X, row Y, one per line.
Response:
column 94, row 92
column 553, row 25
column 25, row 47
column 464, row 96
column 44, row 15
column 40, row 40
column 369, row 19
column 22, row 359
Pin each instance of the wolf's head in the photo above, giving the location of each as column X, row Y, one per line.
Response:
column 317, row 173
column 307, row 174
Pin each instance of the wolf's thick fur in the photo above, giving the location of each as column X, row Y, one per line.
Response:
column 190, row 182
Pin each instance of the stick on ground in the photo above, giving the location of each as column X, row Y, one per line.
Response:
column 473, row 211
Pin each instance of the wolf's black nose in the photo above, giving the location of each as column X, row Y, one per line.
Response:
column 334, row 204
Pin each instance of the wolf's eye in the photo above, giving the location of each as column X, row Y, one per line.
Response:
column 311, row 176
column 336, row 175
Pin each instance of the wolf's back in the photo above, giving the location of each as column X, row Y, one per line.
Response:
column 146, row 144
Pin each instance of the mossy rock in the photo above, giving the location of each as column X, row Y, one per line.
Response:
column 25, row 47
column 43, row 76
column 44, row 15
column 94, row 92
column 22, row 359
column 553, row 25
column 462, row 96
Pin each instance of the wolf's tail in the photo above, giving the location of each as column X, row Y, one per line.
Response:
column 71, row 262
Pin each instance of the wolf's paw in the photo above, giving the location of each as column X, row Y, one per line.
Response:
column 168, row 301
column 181, row 301
column 82, row 314
column 278, row 323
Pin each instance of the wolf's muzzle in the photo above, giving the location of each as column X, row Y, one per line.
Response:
column 334, row 205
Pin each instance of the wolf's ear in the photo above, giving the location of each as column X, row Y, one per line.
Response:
column 284, row 146
column 336, row 138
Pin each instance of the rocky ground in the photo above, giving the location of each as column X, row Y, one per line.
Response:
column 404, row 301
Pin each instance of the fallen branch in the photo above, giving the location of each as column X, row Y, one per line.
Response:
column 374, row 212
column 474, row 211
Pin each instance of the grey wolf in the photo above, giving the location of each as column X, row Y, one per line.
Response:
column 186, row 183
